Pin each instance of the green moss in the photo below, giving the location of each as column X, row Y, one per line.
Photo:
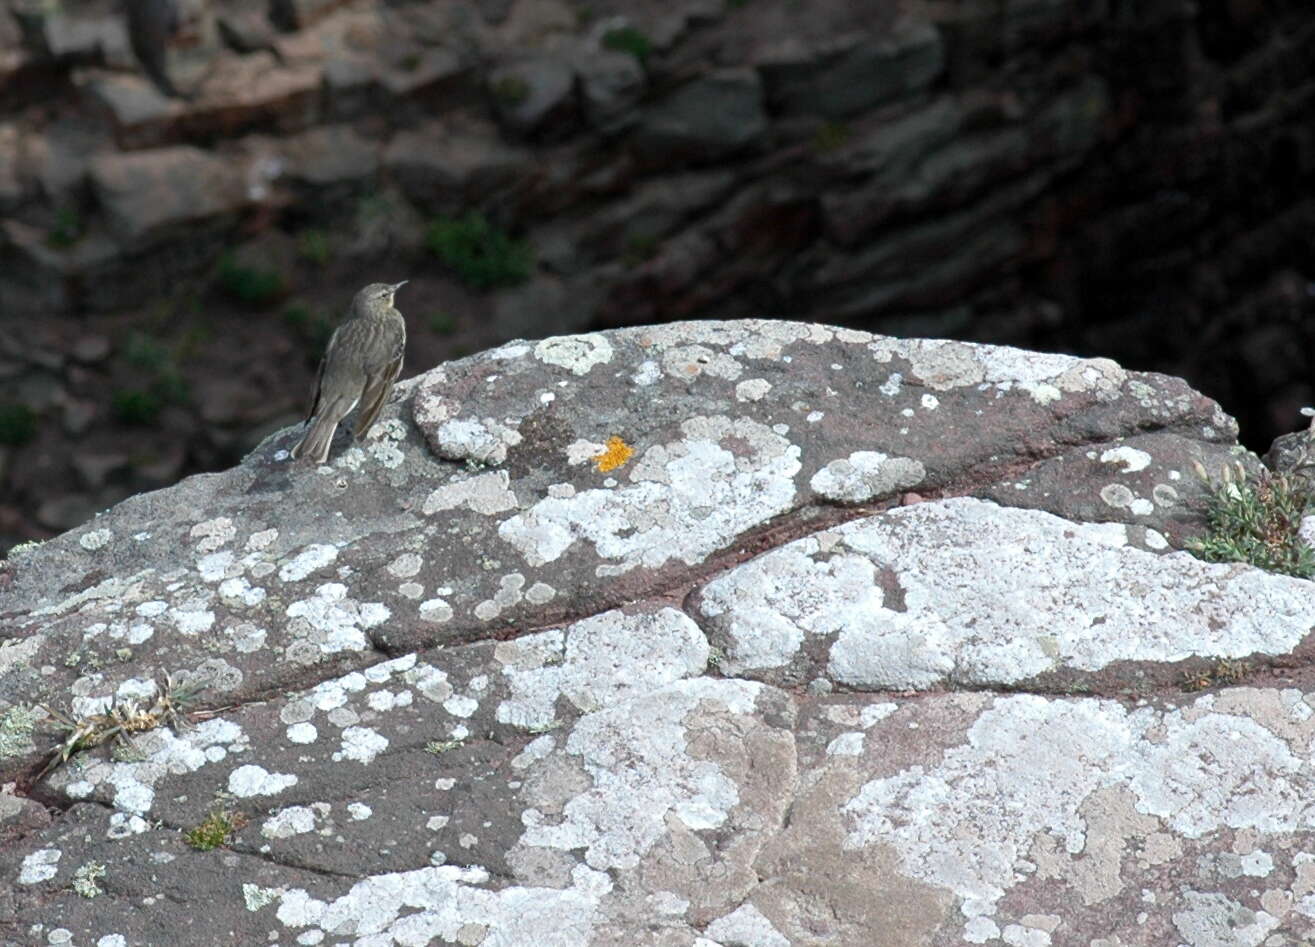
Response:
column 16, row 725
column 313, row 246
column 627, row 39
column 18, row 423
column 252, row 286
column 830, row 136
column 510, row 90
column 479, row 254
column 136, row 406
column 218, row 827
column 1257, row 521
column 67, row 230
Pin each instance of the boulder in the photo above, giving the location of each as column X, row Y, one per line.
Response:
column 148, row 196
column 706, row 633
column 535, row 95
column 707, row 118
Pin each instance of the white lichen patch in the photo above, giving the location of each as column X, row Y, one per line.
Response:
column 405, row 566
column 332, row 622
column 1130, row 458
column 943, row 365
column 250, row 780
column 864, row 475
column 686, row 499
column 1042, row 593
column 686, row 362
column 130, row 786
column 294, row 820
column 625, row 810
column 313, row 557
column 597, row 663
column 752, row 389
column 1029, row 764
column 748, row 926
column 450, row 904
column 41, row 865
column 1120, row 497
column 484, row 493
column 95, row 539
column 213, row 534
column 576, row 353
column 482, row 441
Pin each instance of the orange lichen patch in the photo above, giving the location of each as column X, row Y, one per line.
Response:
column 614, row 455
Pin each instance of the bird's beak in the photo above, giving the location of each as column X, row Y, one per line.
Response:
column 397, row 286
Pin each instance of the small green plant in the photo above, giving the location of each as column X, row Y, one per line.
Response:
column 67, row 229
column 252, row 286
column 1257, row 521
column 136, row 406
column 830, row 136
column 217, row 829
column 627, row 39
column 313, row 246
column 85, row 879
column 313, row 326
column 443, row 323
column 1221, row 673
column 438, row 747
column 18, row 423
column 640, row 248
column 480, row 254
column 510, row 90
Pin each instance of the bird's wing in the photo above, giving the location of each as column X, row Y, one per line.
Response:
column 375, row 396
column 319, row 375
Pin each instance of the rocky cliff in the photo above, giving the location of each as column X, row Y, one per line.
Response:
column 750, row 634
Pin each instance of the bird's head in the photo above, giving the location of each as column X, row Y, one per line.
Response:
column 379, row 293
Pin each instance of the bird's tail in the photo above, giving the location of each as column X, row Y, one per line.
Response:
column 317, row 439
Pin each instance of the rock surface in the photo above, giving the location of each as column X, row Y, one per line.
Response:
column 741, row 633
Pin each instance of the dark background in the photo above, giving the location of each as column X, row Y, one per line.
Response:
column 1128, row 180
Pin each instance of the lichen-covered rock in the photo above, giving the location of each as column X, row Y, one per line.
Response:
column 704, row 633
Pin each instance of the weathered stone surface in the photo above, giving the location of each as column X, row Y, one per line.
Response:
column 706, row 118
column 147, row 196
column 534, row 94
column 904, row 57
column 553, row 659
column 446, row 166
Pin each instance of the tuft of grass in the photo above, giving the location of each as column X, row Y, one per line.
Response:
column 627, row 39
column 439, row 747
column 313, row 246
column 510, row 90
column 217, row 829
column 480, row 254
column 252, row 286
column 1257, row 522
column 139, row 407
column 18, row 424
column 1222, row 673
column 67, row 230
column 830, row 136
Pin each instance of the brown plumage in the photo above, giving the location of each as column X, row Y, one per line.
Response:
column 362, row 361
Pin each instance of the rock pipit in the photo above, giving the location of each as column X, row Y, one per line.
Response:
column 362, row 361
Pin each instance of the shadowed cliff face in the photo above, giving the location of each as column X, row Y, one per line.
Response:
column 704, row 633
column 1102, row 178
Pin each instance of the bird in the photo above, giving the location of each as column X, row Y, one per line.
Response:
column 151, row 25
column 363, row 359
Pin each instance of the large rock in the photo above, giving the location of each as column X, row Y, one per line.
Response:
column 695, row 634
column 149, row 196
column 709, row 117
